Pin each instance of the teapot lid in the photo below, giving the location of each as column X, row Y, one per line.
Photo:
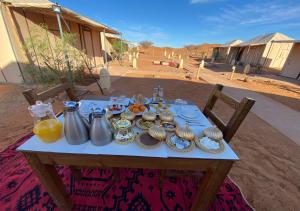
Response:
column 70, row 105
column 98, row 112
column 40, row 109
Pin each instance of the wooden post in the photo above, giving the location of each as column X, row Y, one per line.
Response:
column 130, row 57
column 134, row 63
column 233, row 71
column 181, row 64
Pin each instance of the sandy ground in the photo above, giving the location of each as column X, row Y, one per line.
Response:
column 268, row 172
column 282, row 89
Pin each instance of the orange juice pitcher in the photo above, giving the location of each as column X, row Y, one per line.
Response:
column 46, row 126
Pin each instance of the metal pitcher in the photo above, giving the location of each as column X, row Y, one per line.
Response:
column 100, row 130
column 76, row 131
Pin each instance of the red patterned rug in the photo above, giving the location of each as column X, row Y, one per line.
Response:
column 138, row 189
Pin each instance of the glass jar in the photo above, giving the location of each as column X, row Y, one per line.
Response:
column 46, row 126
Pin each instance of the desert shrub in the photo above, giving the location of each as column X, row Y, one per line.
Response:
column 49, row 62
column 119, row 46
column 146, row 43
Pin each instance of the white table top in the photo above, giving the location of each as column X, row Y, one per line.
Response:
column 132, row 149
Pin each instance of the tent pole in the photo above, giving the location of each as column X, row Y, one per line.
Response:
column 105, row 53
column 121, row 49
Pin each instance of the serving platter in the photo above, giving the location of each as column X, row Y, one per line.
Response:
column 178, row 144
column 201, row 143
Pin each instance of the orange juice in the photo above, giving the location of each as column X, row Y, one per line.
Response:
column 48, row 130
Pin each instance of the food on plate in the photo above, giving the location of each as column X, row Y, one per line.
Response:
column 148, row 140
column 137, row 108
column 115, row 107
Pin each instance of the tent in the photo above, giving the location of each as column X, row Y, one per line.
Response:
column 264, row 51
column 222, row 52
column 18, row 18
column 291, row 67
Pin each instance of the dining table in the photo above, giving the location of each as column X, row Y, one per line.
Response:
column 43, row 157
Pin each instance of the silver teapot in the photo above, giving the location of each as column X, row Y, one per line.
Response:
column 75, row 128
column 100, row 130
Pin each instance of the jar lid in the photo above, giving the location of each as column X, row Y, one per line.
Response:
column 40, row 109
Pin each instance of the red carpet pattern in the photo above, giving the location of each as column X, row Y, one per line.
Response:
column 137, row 190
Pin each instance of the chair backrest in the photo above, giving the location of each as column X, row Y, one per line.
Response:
column 241, row 110
column 31, row 96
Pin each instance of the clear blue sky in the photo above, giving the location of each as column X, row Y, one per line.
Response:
column 180, row 22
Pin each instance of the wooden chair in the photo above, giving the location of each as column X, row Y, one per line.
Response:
column 31, row 96
column 241, row 108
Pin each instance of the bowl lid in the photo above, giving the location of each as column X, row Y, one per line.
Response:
column 149, row 116
column 213, row 133
column 185, row 133
column 157, row 132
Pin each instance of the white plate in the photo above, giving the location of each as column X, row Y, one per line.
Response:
column 120, row 111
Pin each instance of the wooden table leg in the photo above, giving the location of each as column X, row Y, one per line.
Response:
column 49, row 177
column 210, row 185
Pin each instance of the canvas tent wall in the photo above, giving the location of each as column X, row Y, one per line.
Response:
column 222, row 52
column 9, row 67
column 291, row 67
column 262, row 51
column 22, row 18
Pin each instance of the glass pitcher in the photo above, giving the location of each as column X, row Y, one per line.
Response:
column 46, row 126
